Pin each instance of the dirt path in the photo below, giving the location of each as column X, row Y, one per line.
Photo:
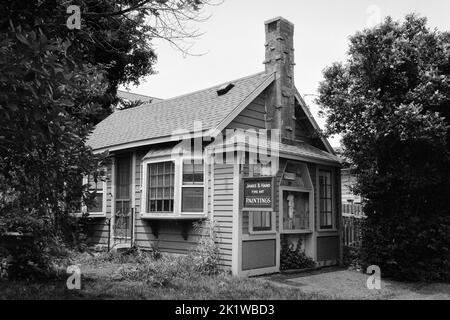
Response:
column 347, row 284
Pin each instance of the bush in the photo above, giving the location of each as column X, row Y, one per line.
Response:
column 25, row 246
column 351, row 257
column 293, row 257
column 205, row 257
column 29, row 248
column 390, row 101
column 158, row 273
column 160, row 270
column 165, row 270
column 408, row 248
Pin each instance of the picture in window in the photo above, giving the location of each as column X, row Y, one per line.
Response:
column 295, row 210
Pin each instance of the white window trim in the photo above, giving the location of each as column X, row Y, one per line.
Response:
column 310, row 191
column 272, row 231
column 311, row 210
column 178, row 188
column 97, row 214
column 333, row 199
column 192, row 186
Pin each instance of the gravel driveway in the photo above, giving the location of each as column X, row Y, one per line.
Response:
column 348, row 284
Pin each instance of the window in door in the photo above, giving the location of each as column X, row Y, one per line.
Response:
column 123, row 184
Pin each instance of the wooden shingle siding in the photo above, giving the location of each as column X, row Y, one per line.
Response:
column 252, row 117
column 223, row 210
column 98, row 232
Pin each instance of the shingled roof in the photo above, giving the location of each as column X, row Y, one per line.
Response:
column 130, row 96
column 160, row 119
column 241, row 140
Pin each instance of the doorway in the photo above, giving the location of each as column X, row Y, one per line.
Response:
column 123, row 216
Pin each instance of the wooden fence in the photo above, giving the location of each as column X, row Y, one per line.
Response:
column 352, row 218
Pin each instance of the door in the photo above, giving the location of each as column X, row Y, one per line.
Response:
column 123, row 219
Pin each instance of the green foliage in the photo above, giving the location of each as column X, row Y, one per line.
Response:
column 55, row 85
column 293, row 257
column 205, row 256
column 158, row 273
column 160, row 270
column 164, row 270
column 352, row 257
column 26, row 256
column 123, row 104
column 391, row 103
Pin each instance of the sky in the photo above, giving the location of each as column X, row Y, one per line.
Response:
column 232, row 44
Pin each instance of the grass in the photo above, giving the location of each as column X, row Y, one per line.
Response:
column 208, row 288
column 114, row 277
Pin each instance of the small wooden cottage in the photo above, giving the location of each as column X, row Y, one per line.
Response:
column 242, row 158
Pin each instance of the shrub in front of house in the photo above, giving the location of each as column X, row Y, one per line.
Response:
column 159, row 270
column 293, row 257
column 408, row 247
column 351, row 257
column 29, row 246
column 167, row 268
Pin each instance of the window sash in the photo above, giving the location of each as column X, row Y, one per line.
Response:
column 180, row 189
column 192, row 199
column 262, row 220
column 192, row 183
column 160, row 186
column 97, row 190
column 193, row 172
column 326, row 199
column 97, row 206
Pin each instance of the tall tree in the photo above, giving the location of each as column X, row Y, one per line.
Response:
column 56, row 83
column 391, row 103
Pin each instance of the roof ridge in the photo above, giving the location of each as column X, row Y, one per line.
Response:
column 193, row 92
column 137, row 94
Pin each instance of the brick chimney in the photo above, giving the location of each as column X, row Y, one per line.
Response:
column 280, row 104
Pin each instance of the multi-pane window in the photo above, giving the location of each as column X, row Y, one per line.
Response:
column 192, row 186
column 262, row 220
column 96, row 191
column 325, row 199
column 161, row 176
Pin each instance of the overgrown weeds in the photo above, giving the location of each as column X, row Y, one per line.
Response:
column 160, row 270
